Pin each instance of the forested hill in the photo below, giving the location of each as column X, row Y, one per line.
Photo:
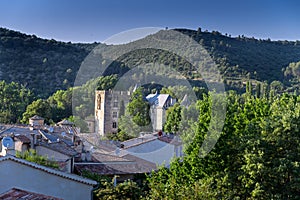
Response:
column 48, row 65
column 255, row 58
column 41, row 65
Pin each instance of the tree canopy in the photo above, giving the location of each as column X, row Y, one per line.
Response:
column 256, row 157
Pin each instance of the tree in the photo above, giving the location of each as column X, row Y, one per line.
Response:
column 173, row 119
column 79, row 123
column 106, row 82
column 123, row 191
column 39, row 107
column 138, row 108
column 61, row 104
column 256, row 157
column 13, row 101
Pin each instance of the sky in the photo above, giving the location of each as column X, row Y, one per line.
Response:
column 97, row 20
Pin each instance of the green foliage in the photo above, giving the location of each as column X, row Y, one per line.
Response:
column 256, row 157
column 138, row 108
column 13, row 101
column 292, row 70
column 173, row 119
column 106, row 82
column 127, row 127
column 79, row 123
column 96, row 177
column 42, row 65
column 39, row 107
column 32, row 156
column 46, row 66
column 123, row 191
column 61, row 104
column 119, row 136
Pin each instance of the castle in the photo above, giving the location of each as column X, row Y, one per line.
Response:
column 110, row 104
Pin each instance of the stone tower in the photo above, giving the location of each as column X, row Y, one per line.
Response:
column 107, row 109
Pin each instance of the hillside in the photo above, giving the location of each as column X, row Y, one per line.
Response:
column 41, row 65
column 48, row 65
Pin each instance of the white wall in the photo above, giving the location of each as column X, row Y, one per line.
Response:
column 13, row 174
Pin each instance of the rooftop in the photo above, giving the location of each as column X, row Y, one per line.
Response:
column 65, row 123
column 18, row 194
column 36, row 117
column 158, row 100
column 139, row 140
column 60, row 146
column 23, row 138
column 128, row 165
column 107, row 158
column 72, row 177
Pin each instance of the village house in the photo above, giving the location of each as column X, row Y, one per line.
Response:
column 104, row 157
column 159, row 103
column 57, row 143
column 18, row 174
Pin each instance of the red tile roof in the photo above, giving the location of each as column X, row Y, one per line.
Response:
column 18, row 194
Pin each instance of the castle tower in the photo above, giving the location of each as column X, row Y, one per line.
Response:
column 109, row 105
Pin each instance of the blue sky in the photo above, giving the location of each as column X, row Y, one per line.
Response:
column 92, row 20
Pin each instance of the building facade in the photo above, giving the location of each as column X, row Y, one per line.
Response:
column 28, row 176
column 159, row 103
column 109, row 105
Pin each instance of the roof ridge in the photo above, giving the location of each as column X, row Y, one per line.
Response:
column 73, row 177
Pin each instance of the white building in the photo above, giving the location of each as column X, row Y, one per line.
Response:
column 159, row 103
column 153, row 148
column 28, row 176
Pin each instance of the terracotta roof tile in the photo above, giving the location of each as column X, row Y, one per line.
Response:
column 18, row 194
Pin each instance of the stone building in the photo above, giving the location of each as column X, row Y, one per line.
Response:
column 36, row 121
column 159, row 103
column 109, row 105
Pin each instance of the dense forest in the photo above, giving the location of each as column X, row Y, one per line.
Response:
column 45, row 66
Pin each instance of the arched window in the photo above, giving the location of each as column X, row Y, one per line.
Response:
column 99, row 102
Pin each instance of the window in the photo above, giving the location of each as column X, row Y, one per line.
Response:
column 115, row 104
column 114, row 125
column 98, row 101
column 114, row 114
